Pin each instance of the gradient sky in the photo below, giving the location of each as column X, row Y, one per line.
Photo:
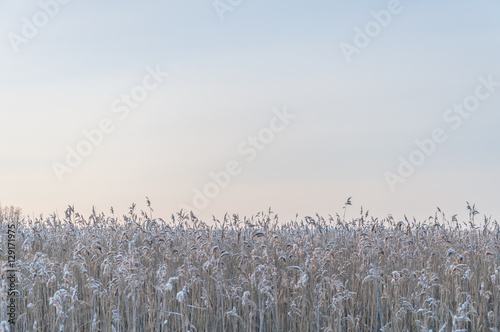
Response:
column 353, row 120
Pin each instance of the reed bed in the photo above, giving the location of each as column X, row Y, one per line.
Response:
column 140, row 273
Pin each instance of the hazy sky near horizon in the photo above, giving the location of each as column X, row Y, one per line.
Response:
column 431, row 67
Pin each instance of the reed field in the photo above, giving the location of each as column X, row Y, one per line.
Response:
column 141, row 273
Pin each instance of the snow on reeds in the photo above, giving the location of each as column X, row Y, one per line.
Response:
column 257, row 274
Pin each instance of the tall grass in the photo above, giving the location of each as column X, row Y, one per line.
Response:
column 259, row 274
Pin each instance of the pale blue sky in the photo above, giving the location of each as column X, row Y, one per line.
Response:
column 353, row 120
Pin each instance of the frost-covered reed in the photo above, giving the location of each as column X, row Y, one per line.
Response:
column 139, row 273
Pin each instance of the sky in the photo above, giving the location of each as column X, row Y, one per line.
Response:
column 237, row 106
